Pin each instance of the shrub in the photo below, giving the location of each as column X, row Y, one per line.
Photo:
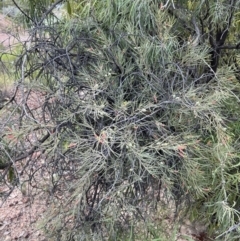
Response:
column 132, row 123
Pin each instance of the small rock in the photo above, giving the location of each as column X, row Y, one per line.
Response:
column 38, row 234
column 7, row 238
column 21, row 234
column 27, row 235
column 26, row 199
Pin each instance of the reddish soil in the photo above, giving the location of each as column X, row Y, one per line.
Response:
column 18, row 217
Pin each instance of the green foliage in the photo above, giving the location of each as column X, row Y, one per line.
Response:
column 138, row 118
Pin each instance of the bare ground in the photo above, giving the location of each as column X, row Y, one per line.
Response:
column 18, row 217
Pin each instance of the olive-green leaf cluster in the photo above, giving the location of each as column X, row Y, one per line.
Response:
column 140, row 112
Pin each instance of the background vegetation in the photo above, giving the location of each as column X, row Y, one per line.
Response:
column 138, row 120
